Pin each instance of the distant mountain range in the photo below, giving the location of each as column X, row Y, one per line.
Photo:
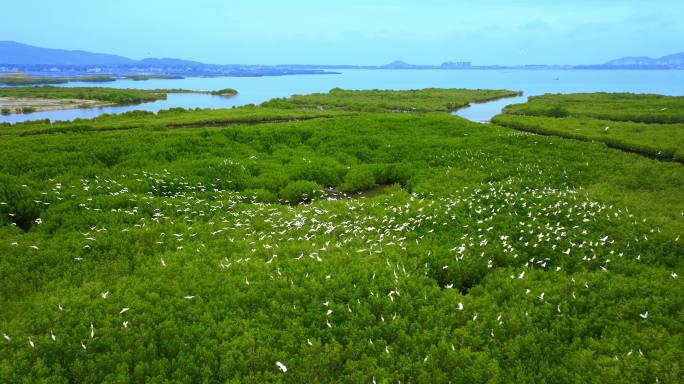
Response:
column 22, row 57
column 59, row 62
column 21, row 54
column 671, row 60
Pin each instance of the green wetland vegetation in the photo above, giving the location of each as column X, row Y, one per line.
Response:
column 149, row 77
column 31, row 99
column 114, row 96
column 19, row 80
column 32, row 80
column 243, row 245
column 411, row 101
column 648, row 124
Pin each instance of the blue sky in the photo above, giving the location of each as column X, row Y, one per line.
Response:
column 354, row 31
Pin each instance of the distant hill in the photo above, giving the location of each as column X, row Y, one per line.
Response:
column 167, row 62
column 397, row 65
column 16, row 53
column 21, row 54
column 669, row 61
column 17, row 57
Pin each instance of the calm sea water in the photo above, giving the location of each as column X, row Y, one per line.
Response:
column 254, row 90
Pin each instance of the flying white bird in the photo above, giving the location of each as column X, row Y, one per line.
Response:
column 104, row 294
column 281, row 366
column 644, row 315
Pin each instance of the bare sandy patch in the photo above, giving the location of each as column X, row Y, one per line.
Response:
column 10, row 105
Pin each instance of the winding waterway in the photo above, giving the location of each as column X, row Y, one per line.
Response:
column 255, row 90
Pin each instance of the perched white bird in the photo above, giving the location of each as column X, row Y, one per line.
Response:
column 189, row 297
column 30, row 341
column 281, row 366
column 123, row 310
column 92, row 331
column 460, row 306
column 83, row 345
column 6, row 336
column 52, row 336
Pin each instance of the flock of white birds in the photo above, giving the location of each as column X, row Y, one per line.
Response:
column 496, row 226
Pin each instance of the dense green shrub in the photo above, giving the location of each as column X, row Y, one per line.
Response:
column 358, row 178
column 557, row 111
column 300, row 191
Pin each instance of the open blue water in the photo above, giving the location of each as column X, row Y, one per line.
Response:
column 254, row 90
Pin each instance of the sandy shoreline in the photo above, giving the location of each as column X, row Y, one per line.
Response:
column 10, row 105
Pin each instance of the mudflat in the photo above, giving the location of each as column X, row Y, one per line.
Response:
column 17, row 105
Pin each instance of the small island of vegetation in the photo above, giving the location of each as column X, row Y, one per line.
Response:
column 18, row 80
column 45, row 98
